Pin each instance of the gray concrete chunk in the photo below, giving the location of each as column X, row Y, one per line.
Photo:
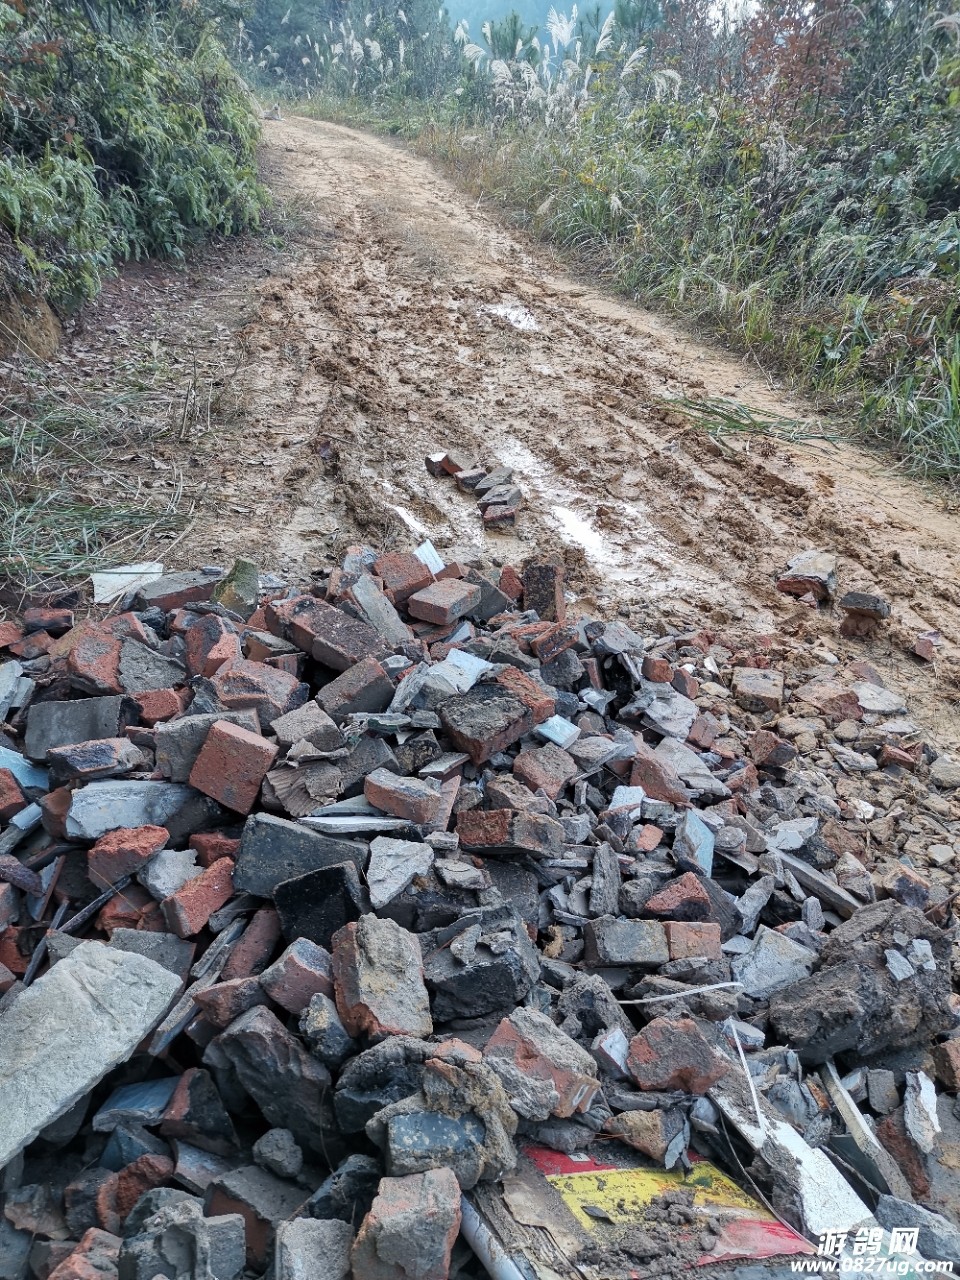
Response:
column 62, row 1035
column 62, row 724
column 312, row 1250
column 104, row 806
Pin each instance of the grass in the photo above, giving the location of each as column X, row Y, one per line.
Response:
column 800, row 294
column 65, row 510
column 720, row 417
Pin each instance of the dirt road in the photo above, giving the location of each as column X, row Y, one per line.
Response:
column 412, row 321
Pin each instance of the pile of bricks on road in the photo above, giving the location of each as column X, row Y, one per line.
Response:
column 316, row 906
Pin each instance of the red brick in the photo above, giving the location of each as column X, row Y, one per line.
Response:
column 33, row 646
column 484, row 828
column 543, row 591
column 253, row 951
column 923, row 647
column 425, row 1203
column 189, row 909
column 328, row 634
column 771, row 752
column 10, row 955
column 125, row 910
column 126, row 626
column 518, row 1039
column 12, row 799
column 532, row 694
column 93, row 664
column 157, row 705
column 143, row 1175
column 686, row 683
column 500, row 515
column 210, row 643
column 224, row 1002
column 682, row 899
column 258, row 687
column 896, row 1141
column 364, row 687
column 511, row 584
column 646, row 839
column 444, row 601
column 672, row 1053
column 55, row 806
column 552, row 643
column 211, row 846
column 454, row 570
column 402, row 574
column 54, row 621
column 656, row 669
column 303, row 971
column 10, row 634
column 548, row 768
column 896, row 756
column 416, row 799
column 232, row 764
column 124, row 851
column 659, row 780
column 688, row 940
column 94, row 1258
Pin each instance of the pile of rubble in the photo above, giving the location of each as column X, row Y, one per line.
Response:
column 318, row 908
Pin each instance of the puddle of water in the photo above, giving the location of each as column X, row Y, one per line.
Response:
column 514, row 314
column 645, row 557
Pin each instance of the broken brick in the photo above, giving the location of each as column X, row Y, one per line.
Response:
column 656, row 669
column 548, row 768
column 411, row 1228
column 232, row 764
column 12, row 799
column 758, row 690
column 213, row 845
column 672, row 1053
column 771, row 752
column 402, row 574
column 253, row 951
column 378, row 980
column 189, row 909
column 303, row 971
column 159, row 705
column 326, row 633
column 535, row 696
column 255, row 686
column 224, row 1002
column 416, row 799
column 536, row 1048
column 209, row 643
column 123, row 851
column 687, row 940
column 444, row 601
column 682, row 899
column 364, row 687
column 486, row 719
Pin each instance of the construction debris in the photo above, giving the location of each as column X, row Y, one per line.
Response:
column 337, row 921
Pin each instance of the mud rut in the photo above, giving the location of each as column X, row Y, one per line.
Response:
column 382, row 343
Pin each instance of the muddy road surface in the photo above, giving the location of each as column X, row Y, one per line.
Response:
column 409, row 320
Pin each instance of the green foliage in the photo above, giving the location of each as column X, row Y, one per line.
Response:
column 122, row 134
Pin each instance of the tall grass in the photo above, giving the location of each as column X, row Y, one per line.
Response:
column 807, row 211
